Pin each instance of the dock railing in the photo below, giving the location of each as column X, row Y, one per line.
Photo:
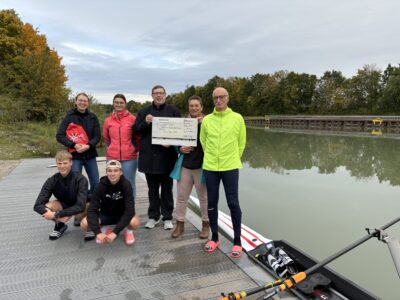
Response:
column 322, row 122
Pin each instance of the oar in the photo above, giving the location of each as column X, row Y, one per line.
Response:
column 282, row 285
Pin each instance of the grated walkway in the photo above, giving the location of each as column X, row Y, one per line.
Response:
column 155, row 267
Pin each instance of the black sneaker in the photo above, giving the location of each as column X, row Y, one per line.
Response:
column 89, row 235
column 76, row 223
column 57, row 232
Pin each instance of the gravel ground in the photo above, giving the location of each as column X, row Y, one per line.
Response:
column 6, row 166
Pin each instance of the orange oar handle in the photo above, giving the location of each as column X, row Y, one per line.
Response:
column 295, row 279
column 234, row 296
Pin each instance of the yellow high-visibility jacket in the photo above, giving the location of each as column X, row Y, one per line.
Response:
column 223, row 137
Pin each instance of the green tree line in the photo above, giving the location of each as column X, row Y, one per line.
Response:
column 370, row 91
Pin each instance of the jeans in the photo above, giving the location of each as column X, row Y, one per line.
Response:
column 129, row 168
column 230, row 180
column 91, row 170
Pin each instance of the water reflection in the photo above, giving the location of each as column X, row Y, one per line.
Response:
column 363, row 157
column 319, row 191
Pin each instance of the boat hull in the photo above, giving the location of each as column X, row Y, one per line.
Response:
column 340, row 287
column 253, row 242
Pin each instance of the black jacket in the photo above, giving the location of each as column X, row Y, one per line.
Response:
column 70, row 190
column 90, row 124
column 155, row 159
column 113, row 200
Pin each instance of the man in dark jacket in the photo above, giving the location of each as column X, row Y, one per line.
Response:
column 157, row 161
column 69, row 188
column 112, row 204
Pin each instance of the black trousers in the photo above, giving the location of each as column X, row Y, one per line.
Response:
column 230, row 180
column 160, row 205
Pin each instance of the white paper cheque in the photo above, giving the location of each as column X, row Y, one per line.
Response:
column 174, row 131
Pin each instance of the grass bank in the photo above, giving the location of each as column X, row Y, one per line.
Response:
column 28, row 140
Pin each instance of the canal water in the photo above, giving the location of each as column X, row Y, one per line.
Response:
column 320, row 192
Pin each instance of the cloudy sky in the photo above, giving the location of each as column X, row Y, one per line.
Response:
column 123, row 46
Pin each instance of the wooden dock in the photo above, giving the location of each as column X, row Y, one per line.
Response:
column 390, row 124
column 155, row 267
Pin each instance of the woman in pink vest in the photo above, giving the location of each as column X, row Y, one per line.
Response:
column 121, row 143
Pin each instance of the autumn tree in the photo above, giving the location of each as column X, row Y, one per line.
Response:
column 32, row 77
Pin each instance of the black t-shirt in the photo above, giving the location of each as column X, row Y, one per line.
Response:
column 194, row 159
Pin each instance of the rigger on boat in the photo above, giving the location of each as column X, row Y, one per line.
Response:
column 284, row 261
column 299, row 273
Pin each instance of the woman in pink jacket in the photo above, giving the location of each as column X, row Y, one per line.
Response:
column 120, row 141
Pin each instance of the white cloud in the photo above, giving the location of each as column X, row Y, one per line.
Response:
column 127, row 47
column 107, row 97
column 81, row 49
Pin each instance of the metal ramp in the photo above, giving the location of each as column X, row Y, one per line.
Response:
column 155, row 267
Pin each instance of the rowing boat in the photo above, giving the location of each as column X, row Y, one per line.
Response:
column 326, row 284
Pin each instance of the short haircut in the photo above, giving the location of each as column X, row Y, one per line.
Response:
column 158, row 87
column 195, row 97
column 82, row 94
column 63, row 155
column 119, row 96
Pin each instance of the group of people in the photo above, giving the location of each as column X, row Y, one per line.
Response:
column 108, row 206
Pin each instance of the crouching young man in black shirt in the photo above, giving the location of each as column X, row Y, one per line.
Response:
column 69, row 188
column 112, row 204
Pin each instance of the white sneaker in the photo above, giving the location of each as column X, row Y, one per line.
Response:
column 168, row 225
column 151, row 223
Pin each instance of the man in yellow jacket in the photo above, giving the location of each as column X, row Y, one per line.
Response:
column 223, row 137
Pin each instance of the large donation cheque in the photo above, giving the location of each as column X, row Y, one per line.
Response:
column 174, row 131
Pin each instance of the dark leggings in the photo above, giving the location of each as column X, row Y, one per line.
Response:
column 230, row 180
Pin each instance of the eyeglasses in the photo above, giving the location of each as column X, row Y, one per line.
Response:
column 219, row 97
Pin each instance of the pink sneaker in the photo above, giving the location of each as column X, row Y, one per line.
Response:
column 99, row 242
column 129, row 237
column 106, row 230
